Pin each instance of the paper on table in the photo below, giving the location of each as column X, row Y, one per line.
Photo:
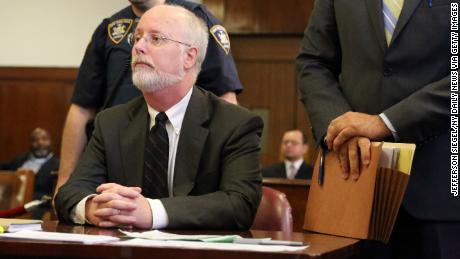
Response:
column 15, row 228
column 64, row 237
column 206, row 245
column 14, row 225
column 158, row 235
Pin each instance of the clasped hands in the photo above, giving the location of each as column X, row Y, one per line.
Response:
column 118, row 205
column 350, row 136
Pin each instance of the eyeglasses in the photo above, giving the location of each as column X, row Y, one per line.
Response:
column 156, row 40
column 292, row 142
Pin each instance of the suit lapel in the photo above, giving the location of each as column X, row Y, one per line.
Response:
column 303, row 172
column 375, row 13
column 406, row 12
column 283, row 170
column 191, row 142
column 132, row 143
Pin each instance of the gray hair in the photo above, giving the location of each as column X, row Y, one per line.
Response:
column 197, row 35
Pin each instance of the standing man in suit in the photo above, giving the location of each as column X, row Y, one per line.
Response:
column 379, row 70
column 294, row 146
column 42, row 162
column 170, row 158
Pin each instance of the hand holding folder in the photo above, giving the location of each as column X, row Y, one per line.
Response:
column 365, row 208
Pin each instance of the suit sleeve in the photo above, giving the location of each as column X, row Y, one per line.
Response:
column 91, row 171
column 235, row 203
column 424, row 114
column 318, row 67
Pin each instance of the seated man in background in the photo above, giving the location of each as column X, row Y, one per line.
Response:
column 42, row 162
column 171, row 158
column 294, row 146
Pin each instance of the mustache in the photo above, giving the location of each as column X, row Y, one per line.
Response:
column 141, row 60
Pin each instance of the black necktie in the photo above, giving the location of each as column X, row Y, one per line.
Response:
column 156, row 159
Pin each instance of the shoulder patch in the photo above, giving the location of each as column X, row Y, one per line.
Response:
column 220, row 35
column 118, row 29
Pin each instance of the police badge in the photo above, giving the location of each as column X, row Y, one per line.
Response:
column 130, row 37
column 118, row 29
column 220, row 34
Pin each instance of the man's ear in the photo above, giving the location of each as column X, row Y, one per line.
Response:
column 190, row 57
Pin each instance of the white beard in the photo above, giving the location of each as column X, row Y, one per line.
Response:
column 151, row 80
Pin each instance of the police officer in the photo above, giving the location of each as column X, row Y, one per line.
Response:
column 104, row 78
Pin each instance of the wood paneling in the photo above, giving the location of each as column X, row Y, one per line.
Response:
column 30, row 98
column 265, row 38
column 267, row 70
column 262, row 16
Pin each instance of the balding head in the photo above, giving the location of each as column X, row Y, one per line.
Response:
column 170, row 46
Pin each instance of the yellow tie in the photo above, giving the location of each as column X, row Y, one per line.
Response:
column 391, row 11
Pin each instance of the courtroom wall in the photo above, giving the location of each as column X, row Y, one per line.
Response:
column 36, row 86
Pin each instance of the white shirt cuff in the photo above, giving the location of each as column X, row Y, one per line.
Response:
column 160, row 217
column 78, row 212
column 389, row 125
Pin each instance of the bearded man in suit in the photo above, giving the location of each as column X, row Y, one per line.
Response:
column 177, row 157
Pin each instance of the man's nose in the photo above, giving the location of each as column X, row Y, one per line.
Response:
column 140, row 46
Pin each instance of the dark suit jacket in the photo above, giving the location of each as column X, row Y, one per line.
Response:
column 279, row 171
column 44, row 181
column 217, row 181
column 345, row 65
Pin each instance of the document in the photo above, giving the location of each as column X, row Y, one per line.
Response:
column 209, row 246
column 159, row 235
column 14, row 225
column 62, row 237
column 157, row 238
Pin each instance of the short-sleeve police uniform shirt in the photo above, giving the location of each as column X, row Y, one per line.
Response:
column 104, row 78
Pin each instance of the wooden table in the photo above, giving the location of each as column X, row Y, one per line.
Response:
column 321, row 246
column 297, row 194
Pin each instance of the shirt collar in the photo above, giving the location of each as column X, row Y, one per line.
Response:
column 297, row 164
column 175, row 114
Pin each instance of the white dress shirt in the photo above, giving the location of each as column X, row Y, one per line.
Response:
column 389, row 126
column 34, row 164
column 173, row 126
column 292, row 168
